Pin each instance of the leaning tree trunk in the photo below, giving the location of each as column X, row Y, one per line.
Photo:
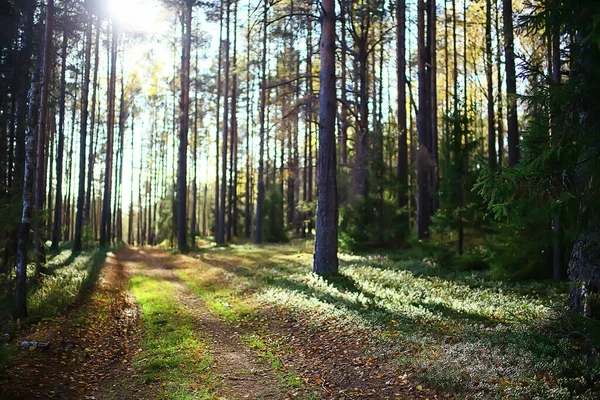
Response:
column 326, row 241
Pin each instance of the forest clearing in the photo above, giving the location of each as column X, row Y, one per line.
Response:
column 279, row 199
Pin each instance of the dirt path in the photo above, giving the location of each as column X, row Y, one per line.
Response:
column 243, row 374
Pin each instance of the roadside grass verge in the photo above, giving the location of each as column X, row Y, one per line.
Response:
column 174, row 358
column 461, row 331
column 66, row 279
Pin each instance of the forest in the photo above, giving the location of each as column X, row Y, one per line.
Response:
column 276, row 199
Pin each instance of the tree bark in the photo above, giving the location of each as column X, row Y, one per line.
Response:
column 84, row 117
column 106, row 211
column 424, row 156
column 40, row 181
column 261, row 152
column 491, row 137
column 402, row 200
column 224, row 143
column 511, row 85
column 183, row 129
column 326, row 241
column 28, row 199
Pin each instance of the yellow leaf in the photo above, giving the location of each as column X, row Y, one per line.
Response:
column 419, row 387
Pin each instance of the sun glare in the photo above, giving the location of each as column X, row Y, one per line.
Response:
column 139, row 15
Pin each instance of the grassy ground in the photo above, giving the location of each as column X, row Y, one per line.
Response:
column 66, row 278
column 460, row 332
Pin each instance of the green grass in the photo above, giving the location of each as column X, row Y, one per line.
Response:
column 66, row 278
column 466, row 332
column 175, row 357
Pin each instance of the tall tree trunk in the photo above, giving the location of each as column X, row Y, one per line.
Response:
column 23, row 240
column 511, row 85
column 70, row 166
column 261, row 152
column 223, row 194
column 326, row 241
column 60, row 146
column 40, row 181
column 344, row 124
column 499, row 85
column 248, row 208
column 232, row 218
column 130, row 240
column 184, row 127
column 401, row 80
column 218, row 112
column 84, row 117
column 105, row 233
column 424, row 155
column 491, row 137
column 92, row 155
column 194, row 222
column 432, row 75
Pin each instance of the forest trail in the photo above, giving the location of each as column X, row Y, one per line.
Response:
column 242, row 373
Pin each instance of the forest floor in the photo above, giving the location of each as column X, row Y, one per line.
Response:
column 247, row 322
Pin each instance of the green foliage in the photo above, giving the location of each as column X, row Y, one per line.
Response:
column 371, row 223
column 273, row 222
column 460, row 208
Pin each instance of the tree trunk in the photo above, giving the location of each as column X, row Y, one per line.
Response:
column 491, row 137
column 511, row 85
column 60, row 146
column 218, row 112
column 424, row 156
column 84, row 117
column 261, row 153
column 232, row 225
column 344, row 124
column 28, row 198
column 433, row 106
column 326, row 241
column 184, row 127
column 106, row 211
column 224, row 144
column 40, row 181
column 401, row 80
column 92, row 155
